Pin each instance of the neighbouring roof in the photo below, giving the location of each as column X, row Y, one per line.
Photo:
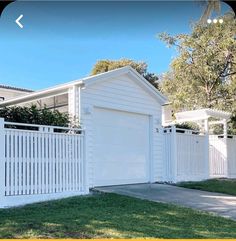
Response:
column 63, row 88
column 15, row 88
column 201, row 114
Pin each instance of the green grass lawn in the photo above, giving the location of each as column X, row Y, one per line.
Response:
column 227, row 186
column 111, row 216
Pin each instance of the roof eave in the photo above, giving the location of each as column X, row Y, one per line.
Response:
column 39, row 94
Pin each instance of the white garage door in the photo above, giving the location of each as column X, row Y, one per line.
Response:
column 121, row 147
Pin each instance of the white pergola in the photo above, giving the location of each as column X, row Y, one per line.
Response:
column 202, row 116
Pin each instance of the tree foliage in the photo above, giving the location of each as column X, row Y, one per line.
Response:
column 141, row 67
column 33, row 115
column 204, row 72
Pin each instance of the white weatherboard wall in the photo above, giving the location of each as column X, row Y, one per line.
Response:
column 121, row 94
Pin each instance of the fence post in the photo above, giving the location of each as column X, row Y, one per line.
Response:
column 207, row 148
column 226, row 148
column 174, row 153
column 85, row 164
column 226, row 157
column 2, row 163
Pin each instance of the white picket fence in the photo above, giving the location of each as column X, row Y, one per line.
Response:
column 40, row 163
column 192, row 156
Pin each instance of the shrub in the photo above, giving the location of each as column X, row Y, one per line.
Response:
column 188, row 126
column 34, row 115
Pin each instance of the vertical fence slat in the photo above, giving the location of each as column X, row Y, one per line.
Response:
column 76, row 163
column 28, row 170
column 3, row 159
column 64, row 163
column 12, row 164
column 40, row 188
column 8, row 136
column 15, row 161
column 82, row 171
column 58, row 163
column 31, row 163
column 24, row 163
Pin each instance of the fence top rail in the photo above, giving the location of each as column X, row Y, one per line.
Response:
column 222, row 136
column 42, row 126
column 182, row 130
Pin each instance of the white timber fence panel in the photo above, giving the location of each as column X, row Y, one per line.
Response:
column 168, row 155
column 218, row 160
column 191, row 156
column 231, row 149
column 185, row 155
column 40, row 163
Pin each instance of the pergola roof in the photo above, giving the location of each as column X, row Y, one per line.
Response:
column 201, row 114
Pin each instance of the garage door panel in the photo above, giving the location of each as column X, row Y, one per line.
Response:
column 107, row 170
column 117, row 155
column 122, row 122
column 121, row 147
column 124, row 137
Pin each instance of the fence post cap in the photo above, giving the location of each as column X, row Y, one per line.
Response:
column 173, row 127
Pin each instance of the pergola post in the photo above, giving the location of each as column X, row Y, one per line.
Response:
column 206, row 126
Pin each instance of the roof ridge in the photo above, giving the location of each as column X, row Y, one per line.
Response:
column 15, row 88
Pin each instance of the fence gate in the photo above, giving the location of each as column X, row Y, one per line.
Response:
column 218, row 156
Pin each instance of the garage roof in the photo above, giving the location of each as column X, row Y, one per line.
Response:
column 60, row 89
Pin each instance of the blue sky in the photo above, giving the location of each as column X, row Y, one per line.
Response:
column 61, row 41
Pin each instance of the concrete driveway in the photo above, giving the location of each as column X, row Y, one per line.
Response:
column 220, row 204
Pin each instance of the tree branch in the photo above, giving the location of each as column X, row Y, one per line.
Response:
column 225, row 75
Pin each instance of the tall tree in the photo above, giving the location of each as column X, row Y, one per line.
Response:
column 204, row 72
column 141, row 67
column 205, row 66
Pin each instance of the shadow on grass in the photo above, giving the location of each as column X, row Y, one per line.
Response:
column 110, row 215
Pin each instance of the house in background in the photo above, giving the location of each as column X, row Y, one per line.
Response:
column 9, row 92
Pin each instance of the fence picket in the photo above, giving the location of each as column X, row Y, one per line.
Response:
column 20, row 164
column 8, row 136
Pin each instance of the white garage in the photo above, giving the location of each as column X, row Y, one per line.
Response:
column 121, row 113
